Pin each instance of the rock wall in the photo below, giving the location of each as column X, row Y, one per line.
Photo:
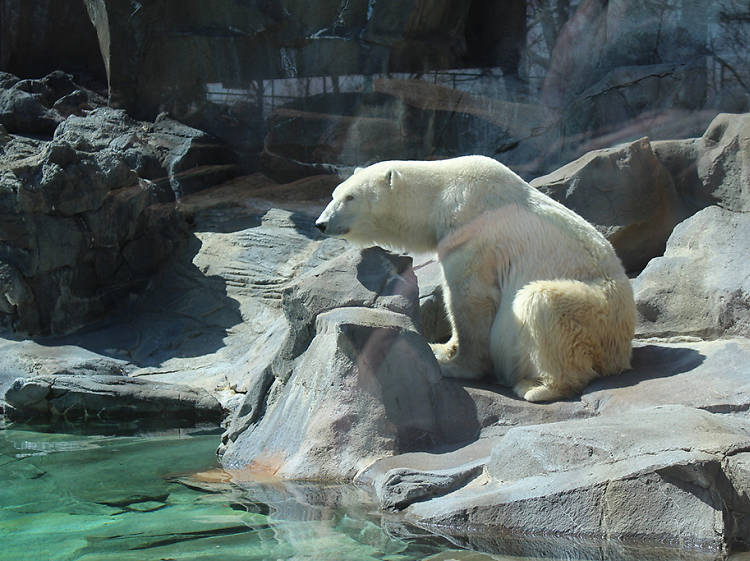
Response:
column 87, row 197
column 291, row 87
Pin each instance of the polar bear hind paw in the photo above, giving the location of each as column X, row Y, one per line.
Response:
column 535, row 391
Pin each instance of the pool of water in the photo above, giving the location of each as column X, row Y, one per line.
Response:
column 160, row 495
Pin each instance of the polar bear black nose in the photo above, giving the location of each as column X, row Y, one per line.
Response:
column 321, row 226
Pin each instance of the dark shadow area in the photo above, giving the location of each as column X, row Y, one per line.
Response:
column 304, row 223
column 46, row 35
column 137, row 427
column 182, row 313
column 649, row 362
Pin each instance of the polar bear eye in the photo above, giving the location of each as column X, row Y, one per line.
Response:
column 349, row 198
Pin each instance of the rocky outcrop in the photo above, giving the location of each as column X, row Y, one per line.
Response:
column 714, row 168
column 700, row 287
column 83, row 218
column 108, row 398
column 589, row 479
column 383, row 281
column 626, row 193
column 348, row 403
column 317, row 353
column 601, row 37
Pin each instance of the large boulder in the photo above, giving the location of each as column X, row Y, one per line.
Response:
column 603, row 36
column 369, row 278
column 625, row 192
column 700, row 286
column 99, row 397
column 85, row 200
column 633, row 476
column 714, row 168
column 348, row 402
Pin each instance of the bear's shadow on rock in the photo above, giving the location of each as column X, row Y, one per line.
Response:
column 651, row 361
column 182, row 313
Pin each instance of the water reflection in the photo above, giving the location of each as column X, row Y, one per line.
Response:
column 159, row 496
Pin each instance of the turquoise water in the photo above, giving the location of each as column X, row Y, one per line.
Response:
column 68, row 496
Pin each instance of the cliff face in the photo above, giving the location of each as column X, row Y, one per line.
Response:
column 290, row 84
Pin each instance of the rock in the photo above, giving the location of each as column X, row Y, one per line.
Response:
column 81, row 250
column 626, row 193
column 369, row 278
column 348, row 402
column 712, row 169
column 599, row 114
column 708, row 375
column 100, row 397
column 22, row 112
column 572, row 447
column 29, row 359
column 432, row 315
column 626, row 477
column 402, row 487
column 559, row 447
column 601, row 37
column 700, row 286
column 38, row 106
column 174, row 156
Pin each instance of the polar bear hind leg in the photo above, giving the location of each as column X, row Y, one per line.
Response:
column 563, row 333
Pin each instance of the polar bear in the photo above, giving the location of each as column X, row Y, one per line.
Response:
column 534, row 293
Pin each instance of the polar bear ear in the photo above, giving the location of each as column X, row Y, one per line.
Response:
column 393, row 178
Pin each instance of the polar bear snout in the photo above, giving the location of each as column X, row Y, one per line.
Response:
column 331, row 222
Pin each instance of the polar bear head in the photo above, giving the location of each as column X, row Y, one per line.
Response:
column 364, row 209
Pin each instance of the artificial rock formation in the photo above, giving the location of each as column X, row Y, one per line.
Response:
column 86, row 212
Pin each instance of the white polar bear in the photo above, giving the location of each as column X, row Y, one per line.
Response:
column 533, row 291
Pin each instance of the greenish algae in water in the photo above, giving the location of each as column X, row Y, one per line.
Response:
column 85, row 497
column 68, row 496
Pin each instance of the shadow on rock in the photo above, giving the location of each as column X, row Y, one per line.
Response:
column 184, row 313
column 649, row 362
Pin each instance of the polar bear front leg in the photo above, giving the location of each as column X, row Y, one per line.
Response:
column 471, row 303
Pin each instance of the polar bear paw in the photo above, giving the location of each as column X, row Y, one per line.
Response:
column 536, row 391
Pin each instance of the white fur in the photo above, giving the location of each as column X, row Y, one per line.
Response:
column 533, row 291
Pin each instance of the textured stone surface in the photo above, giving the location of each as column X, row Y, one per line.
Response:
column 625, row 192
column 367, row 278
column 97, row 397
column 348, row 402
column 82, row 214
column 714, row 168
column 700, row 286
column 710, row 375
column 582, row 478
column 433, row 318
